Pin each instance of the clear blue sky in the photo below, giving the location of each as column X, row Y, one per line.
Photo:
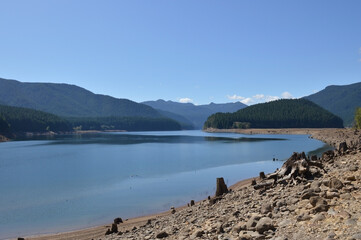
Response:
column 203, row 51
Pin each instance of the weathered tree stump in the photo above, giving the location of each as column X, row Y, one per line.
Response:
column 342, row 147
column 221, row 187
column 298, row 165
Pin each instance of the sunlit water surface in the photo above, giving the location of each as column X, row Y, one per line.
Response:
column 69, row 182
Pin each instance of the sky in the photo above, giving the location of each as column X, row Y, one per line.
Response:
column 188, row 51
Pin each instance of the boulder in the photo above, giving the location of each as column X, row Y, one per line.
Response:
column 264, row 224
column 252, row 222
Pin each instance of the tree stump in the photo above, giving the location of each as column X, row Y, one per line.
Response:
column 221, row 187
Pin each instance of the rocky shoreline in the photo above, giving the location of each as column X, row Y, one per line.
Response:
column 308, row 198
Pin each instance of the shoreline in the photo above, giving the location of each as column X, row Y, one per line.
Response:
column 329, row 136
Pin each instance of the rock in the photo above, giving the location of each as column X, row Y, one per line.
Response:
column 357, row 236
column 266, row 208
column 330, row 195
column 335, row 183
column 318, row 217
column 118, row 220
column 346, row 196
column 162, row 234
column 250, row 235
column 308, row 193
column 328, row 155
column 353, row 168
column 20, row 238
column 351, row 178
column 264, row 224
column 221, row 187
column 262, row 175
column 319, row 204
column 220, row 229
column 252, row 222
column 197, row 233
column 303, row 217
column 192, row 203
column 239, row 226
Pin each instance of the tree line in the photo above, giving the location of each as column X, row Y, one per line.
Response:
column 19, row 120
column 285, row 113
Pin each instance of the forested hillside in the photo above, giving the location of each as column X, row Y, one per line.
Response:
column 340, row 100
column 69, row 100
column 285, row 113
column 20, row 119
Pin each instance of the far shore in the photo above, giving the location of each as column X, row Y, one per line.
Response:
column 331, row 136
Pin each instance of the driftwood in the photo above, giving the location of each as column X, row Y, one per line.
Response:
column 296, row 167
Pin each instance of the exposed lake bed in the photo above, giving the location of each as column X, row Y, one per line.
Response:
column 71, row 182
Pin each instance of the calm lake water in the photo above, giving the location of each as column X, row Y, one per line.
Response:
column 69, row 182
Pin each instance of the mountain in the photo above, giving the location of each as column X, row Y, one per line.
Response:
column 285, row 113
column 69, row 100
column 196, row 114
column 340, row 100
column 184, row 122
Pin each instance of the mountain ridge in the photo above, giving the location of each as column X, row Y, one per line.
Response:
column 341, row 100
column 69, row 100
column 196, row 114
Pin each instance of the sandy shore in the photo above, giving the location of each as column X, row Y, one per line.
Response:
column 330, row 136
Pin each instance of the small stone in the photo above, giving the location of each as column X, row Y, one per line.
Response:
column 303, row 217
column 318, row 217
column 162, row 234
column 197, row 233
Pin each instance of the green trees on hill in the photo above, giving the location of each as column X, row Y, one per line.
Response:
column 28, row 120
column 19, row 120
column 4, row 126
column 358, row 118
column 285, row 113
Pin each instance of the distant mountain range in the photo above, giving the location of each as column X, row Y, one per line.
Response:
column 69, row 100
column 340, row 100
column 284, row 113
column 190, row 113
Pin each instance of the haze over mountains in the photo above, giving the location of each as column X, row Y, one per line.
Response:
column 196, row 114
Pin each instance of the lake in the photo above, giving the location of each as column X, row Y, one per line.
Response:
column 62, row 183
